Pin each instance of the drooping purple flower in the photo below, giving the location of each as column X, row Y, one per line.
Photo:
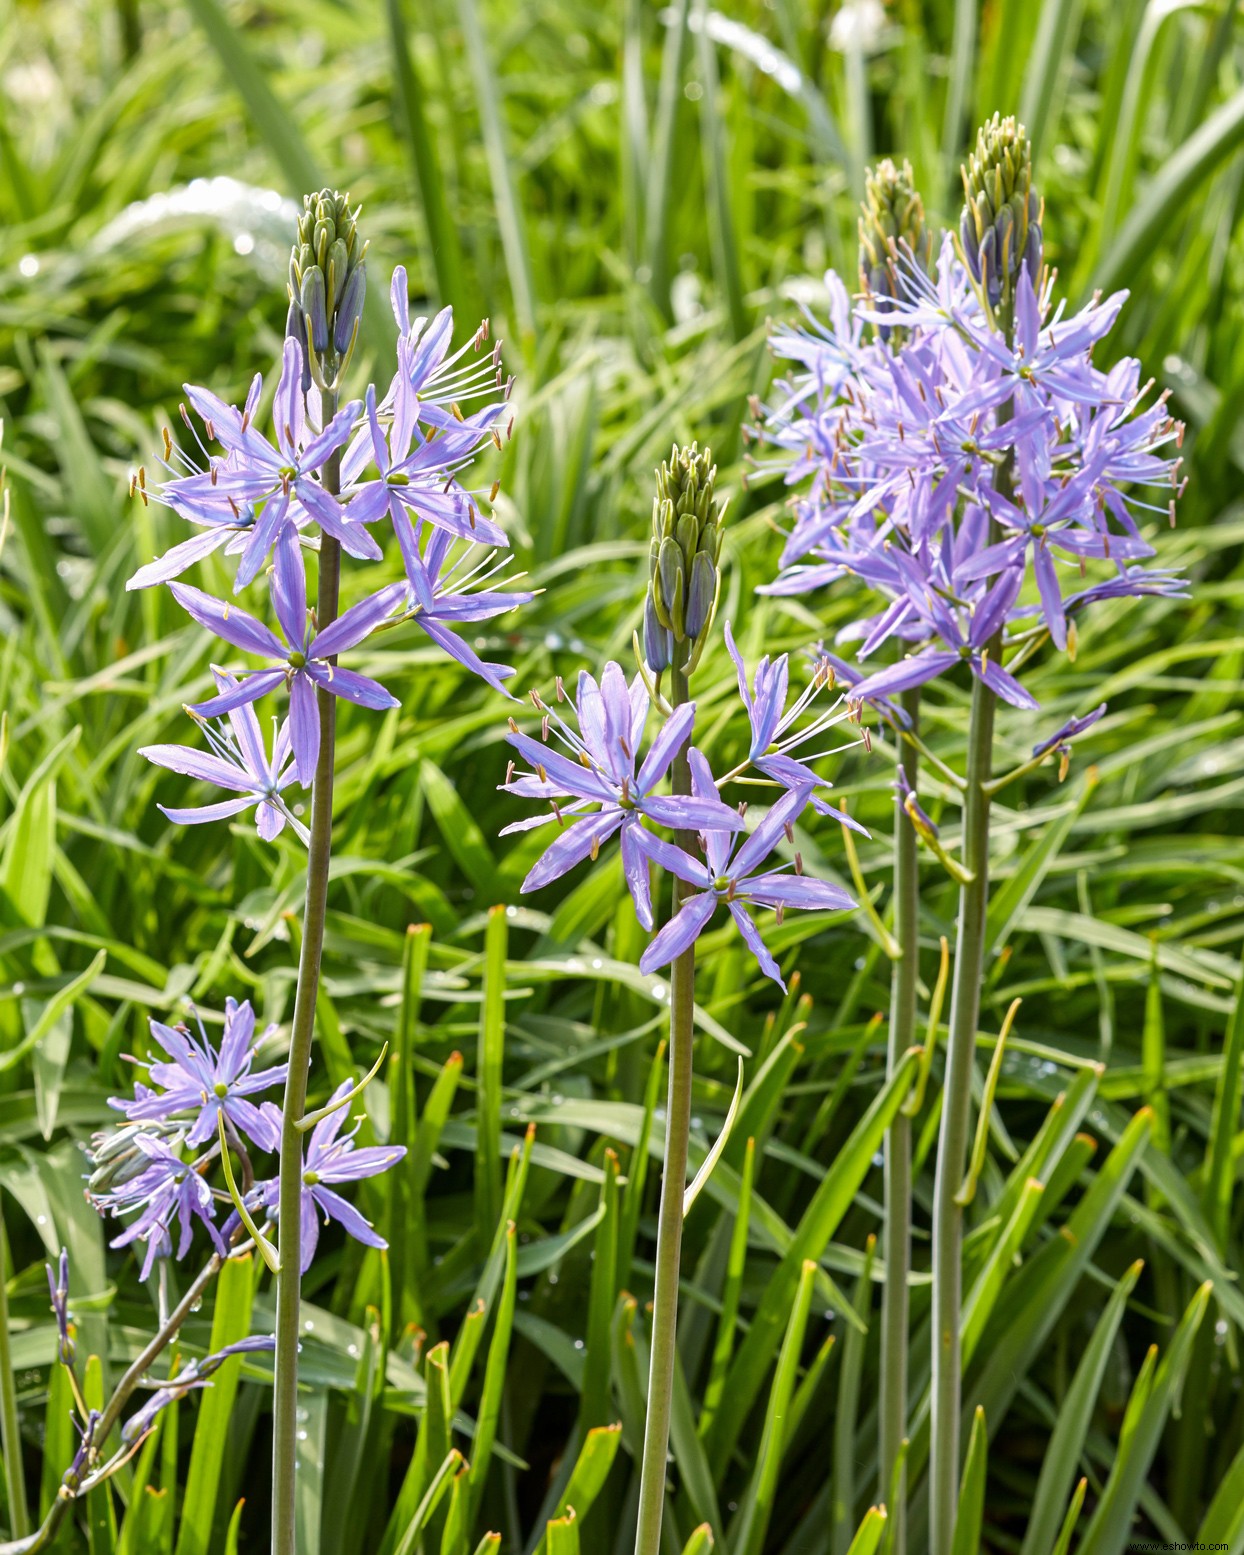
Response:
column 446, row 595
column 601, row 772
column 76, row 1472
column 237, row 761
column 243, row 500
column 1062, row 738
column 196, row 1374
column 775, row 731
column 200, row 1082
column 303, row 657
column 737, row 881
column 168, row 1192
column 332, row 1159
column 58, row 1285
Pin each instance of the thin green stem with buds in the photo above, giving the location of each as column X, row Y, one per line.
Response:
column 673, row 1186
column 897, row 1236
column 289, row 1212
column 953, row 1135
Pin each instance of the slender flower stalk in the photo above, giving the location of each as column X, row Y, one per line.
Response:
column 289, row 1213
column 892, row 232
column 904, row 978
column 327, row 233
column 673, row 1185
column 682, row 596
column 952, row 1143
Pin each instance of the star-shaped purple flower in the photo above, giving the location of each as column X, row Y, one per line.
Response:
column 775, row 734
column 304, row 663
column 447, row 595
column 200, row 1082
column 605, row 749
column 244, row 499
column 237, row 761
column 737, row 882
column 332, row 1159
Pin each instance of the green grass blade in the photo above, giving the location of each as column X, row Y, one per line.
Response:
column 747, row 1533
column 452, row 279
column 1062, row 1456
column 846, row 1410
column 967, row 1535
column 510, row 218
column 490, row 1054
column 1111, row 1525
column 1159, row 207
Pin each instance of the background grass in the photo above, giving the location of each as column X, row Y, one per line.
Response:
column 631, row 194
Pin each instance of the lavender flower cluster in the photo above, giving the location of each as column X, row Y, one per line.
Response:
column 950, row 463
column 404, row 456
column 153, row 1170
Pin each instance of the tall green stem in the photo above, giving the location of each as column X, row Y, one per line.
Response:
column 673, row 1186
column 10, row 1435
column 289, row 1213
column 897, row 1239
column 953, row 1136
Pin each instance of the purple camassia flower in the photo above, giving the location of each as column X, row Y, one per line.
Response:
column 204, row 1083
column 244, row 500
column 417, row 475
column 774, row 736
column 196, row 1374
column 167, row 1191
column 970, row 640
column 331, row 1159
column 237, row 761
column 442, row 598
column 304, row 663
column 440, row 381
column 735, row 881
column 605, row 749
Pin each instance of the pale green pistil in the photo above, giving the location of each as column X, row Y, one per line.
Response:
column 298, row 660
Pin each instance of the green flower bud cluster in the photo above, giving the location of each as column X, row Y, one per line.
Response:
column 327, row 285
column 117, row 1156
column 891, row 224
column 683, row 573
column 1000, row 230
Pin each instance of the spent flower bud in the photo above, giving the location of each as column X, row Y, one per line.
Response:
column 58, row 1286
column 891, row 228
column 327, row 283
column 1000, row 229
column 684, row 576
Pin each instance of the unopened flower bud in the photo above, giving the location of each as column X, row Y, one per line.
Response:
column 350, row 309
column 892, row 228
column 1000, row 228
column 327, row 280
column 658, row 639
column 684, row 555
column 315, row 307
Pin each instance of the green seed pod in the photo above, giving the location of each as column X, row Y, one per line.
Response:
column 683, row 560
column 1000, row 228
